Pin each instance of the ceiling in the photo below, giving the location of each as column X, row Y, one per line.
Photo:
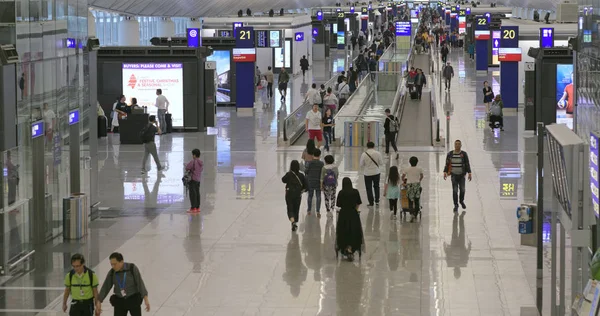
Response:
column 213, row 8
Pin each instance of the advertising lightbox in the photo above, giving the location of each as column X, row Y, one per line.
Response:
column 223, row 60
column 482, row 35
column 274, row 39
column 564, row 95
column 282, row 56
column 244, row 55
column 140, row 80
column 509, row 54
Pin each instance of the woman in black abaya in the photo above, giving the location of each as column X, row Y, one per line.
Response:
column 349, row 233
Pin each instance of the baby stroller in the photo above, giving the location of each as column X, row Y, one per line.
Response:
column 404, row 202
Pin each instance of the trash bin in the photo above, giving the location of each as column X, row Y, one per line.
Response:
column 75, row 216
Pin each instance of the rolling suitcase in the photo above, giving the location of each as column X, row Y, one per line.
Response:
column 102, row 126
column 169, row 120
column 414, row 95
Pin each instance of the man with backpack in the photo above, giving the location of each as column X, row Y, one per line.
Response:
column 81, row 284
column 147, row 137
column 129, row 288
column 390, row 128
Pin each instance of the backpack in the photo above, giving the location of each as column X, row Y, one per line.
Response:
column 393, row 127
column 146, row 134
column 89, row 272
column 329, row 179
column 495, row 110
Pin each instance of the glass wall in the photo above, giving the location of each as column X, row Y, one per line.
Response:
column 51, row 80
column 107, row 24
column 588, row 68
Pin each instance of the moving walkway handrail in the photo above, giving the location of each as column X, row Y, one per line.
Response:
column 435, row 120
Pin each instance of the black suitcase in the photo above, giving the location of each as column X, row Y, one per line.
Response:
column 102, row 126
column 414, row 95
column 341, row 103
column 169, row 120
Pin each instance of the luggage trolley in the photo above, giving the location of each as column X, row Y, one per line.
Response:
column 404, row 203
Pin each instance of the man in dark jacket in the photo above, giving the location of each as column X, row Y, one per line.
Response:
column 304, row 65
column 420, row 81
column 313, row 176
column 390, row 128
column 456, row 167
column 448, row 74
column 444, row 51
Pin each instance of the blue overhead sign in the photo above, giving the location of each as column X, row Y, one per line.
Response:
column 320, row 15
column 546, row 37
column 73, row 117
column 468, row 10
column 488, row 16
column 403, row 28
column 594, row 183
column 299, row 36
column 352, row 10
column 37, row 129
column 193, row 37
column 71, row 43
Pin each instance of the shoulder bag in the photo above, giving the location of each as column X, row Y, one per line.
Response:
column 375, row 162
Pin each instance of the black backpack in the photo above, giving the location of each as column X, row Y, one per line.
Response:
column 89, row 272
column 146, row 134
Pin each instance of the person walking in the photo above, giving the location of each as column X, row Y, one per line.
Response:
column 370, row 163
column 329, row 176
column 81, row 284
column 295, row 185
column 420, row 81
column 148, row 134
column 390, row 128
column 328, row 124
column 444, row 52
column 163, row 107
column 410, row 79
column 129, row 288
column 304, row 65
column 349, row 233
column 284, row 78
column 313, row 125
column 488, row 95
column 413, row 177
column 330, row 101
column 269, row 75
column 448, row 74
column 313, row 176
column 313, row 95
column 194, row 169
column 457, row 167
column 471, row 50
column 391, row 190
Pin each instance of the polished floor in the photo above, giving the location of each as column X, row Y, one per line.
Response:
column 239, row 257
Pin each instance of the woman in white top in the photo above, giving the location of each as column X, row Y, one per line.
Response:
column 115, row 117
column 413, row 176
column 330, row 101
column 263, row 90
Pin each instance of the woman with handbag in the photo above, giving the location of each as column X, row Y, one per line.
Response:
column 193, row 174
column 295, row 185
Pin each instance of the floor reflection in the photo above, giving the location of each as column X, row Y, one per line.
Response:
column 457, row 253
column 295, row 270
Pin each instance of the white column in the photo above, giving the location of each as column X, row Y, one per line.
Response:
column 166, row 27
column 91, row 25
column 129, row 31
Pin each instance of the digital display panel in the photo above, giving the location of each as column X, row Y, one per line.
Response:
column 403, row 28
column 224, row 33
column 223, row 60
column 462, row 25
column 140, row 80
column 341, row 39
column 244, row 54
column 274, row 39
column 37, row 129
column 193, row 37
column 594, row 183
column 509, row 54
column 564, row 95
column 262, row 39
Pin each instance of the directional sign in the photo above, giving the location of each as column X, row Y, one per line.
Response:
column 403, row 28
column 193, row 37
column 315, row 32
column 37, row 129
column 468, row 11
column 370, row 7
column 496, row 43
column 71, row 43
column 320, row 15
column 546, row 37
column 352, row 10
column 73, row 117
column 488, row 16
column 299, row 36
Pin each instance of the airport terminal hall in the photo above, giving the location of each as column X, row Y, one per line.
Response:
column 299, row 158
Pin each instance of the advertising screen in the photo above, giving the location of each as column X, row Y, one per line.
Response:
column 140, row 80
column 223, row 60
column 274, row 38
column 564, row 95
column 341, row 39
column 279, row 55
column 594, row 183
column 462, row 25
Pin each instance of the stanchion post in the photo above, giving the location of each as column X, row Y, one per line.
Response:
column 447, row 129
column 437, row 133
column 540, row 218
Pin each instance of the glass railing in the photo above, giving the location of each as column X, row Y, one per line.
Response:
column 351, row 111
